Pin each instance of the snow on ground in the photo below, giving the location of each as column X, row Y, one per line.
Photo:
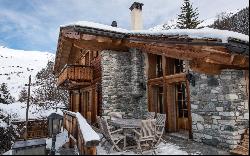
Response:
column 61, row 139
column 162, row 149
column 17, row 65
column 3, row 124
column 17, row 111
column 9, row 152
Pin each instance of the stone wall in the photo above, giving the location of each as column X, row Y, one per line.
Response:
column 219, row 106
column 123, row 82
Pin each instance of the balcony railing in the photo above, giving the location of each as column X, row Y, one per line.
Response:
column 75, row 73
column 80, row 133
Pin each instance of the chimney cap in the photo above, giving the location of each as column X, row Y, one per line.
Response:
column 136, row 5
column 114, row 24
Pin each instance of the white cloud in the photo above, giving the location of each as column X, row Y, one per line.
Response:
column 40, row 25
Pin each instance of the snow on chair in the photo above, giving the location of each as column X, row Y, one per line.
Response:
column 113, row 137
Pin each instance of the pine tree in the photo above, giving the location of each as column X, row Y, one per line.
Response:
column 23, row 96
column 5, row 96
column 188, row 19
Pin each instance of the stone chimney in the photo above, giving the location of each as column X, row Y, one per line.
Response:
column 136, row 16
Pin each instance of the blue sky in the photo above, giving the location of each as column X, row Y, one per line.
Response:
column 34, row 24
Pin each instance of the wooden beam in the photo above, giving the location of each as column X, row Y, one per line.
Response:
column 208, row 68
column 165, row 102
column 175, row 78
column 212, row 54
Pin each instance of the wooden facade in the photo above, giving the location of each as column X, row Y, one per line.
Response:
column 167, row 86
column 82, row 76
column 36, row 129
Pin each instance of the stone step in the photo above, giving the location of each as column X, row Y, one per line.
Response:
column 179, row 136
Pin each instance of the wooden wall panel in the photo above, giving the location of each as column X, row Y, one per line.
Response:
column 77, row 102
column 152, row 66
column 170, row 66
column 171, row 108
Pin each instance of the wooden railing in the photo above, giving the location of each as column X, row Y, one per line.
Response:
column 76, row 73
column 84, row 144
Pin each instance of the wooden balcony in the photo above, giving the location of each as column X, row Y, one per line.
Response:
column 73, row 76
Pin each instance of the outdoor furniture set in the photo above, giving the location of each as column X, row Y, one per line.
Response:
column 145, row 133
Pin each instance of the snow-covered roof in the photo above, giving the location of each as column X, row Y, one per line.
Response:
column 206, row 32
column 97, row 26
column 224, row 35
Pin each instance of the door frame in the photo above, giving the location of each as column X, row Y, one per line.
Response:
column 167, row 82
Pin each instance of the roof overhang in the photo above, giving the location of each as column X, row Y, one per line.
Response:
column 203, row 53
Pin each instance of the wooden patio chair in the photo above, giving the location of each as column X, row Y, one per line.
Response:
column 146, row 135
column 159, row 128
column 150, row 115
column 113, row 137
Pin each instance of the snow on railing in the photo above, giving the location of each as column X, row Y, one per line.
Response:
column 83, row 134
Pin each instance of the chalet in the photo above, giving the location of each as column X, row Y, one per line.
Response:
column 199, row 78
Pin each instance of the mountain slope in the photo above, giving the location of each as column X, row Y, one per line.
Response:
column 17, row 65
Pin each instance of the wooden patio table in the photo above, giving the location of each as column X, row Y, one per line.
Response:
column 127, row 125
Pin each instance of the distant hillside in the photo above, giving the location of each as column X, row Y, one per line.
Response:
column 17, row 65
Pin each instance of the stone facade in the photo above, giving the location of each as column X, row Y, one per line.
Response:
column 124, row 82
column 219, row 106
column 219, row 103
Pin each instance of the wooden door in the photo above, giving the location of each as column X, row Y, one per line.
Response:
column 181, row 107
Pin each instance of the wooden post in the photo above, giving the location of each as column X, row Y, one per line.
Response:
column 189, row 110
column 165, row 101
column 27, row 110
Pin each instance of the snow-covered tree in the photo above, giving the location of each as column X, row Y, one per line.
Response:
column 238, row 22
column 188, row 18
column 5, row 96
column 23, row 96
column 8, row 136
column 47, row 93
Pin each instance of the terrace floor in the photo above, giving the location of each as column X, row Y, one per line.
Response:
column 175, row 146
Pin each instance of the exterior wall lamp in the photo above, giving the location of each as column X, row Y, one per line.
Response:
column 54, row 125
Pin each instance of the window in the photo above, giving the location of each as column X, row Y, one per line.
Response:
column 178, row 66
column 181, row 100
column 159, row 72
column 160, row 100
